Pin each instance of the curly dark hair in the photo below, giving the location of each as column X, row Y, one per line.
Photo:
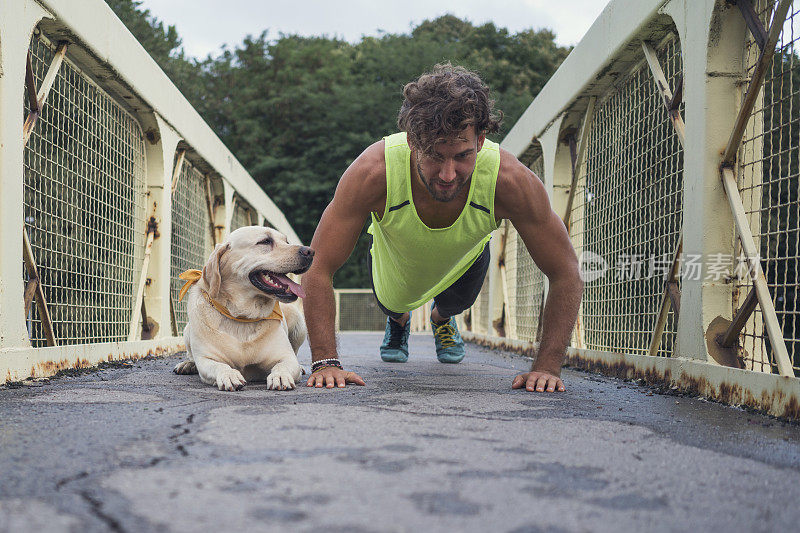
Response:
column 442, row 103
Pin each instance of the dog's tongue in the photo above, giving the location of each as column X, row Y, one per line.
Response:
column 294, row 288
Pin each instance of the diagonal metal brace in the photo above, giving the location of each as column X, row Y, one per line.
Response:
column 677, row 97
column 210, row 208
column 36, row 287
column 753, row 22
column 667, row 96
column 730, row 338
column 576, row 154
column 43, row 92
column 30, row 85
column 770, row 317
column 757, row 79
column 670, row 294
column 176, row 171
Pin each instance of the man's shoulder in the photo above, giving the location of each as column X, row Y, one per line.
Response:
column 363, row 185
column 518, row 190
column 511, row 171
column 372, row 163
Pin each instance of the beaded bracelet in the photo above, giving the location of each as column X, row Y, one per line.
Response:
column 325, row 363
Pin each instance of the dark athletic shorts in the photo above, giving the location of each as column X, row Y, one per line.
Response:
column 458, row 296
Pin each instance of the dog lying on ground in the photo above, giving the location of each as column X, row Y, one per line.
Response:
column 243, row 325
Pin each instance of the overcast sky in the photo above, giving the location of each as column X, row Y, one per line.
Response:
column 205, row 25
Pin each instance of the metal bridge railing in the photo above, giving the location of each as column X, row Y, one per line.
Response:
column 242, row 215
column 357, row 310
column 769, row 183
column 192, row 236
column 627, row 208
column 668, row 141
column 111, row 185
column 85, row 200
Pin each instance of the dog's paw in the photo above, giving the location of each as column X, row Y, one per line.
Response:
column 185, row 367
column 230, row 380
column 280, row 380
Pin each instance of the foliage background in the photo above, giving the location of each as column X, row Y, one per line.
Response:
column 296, row 111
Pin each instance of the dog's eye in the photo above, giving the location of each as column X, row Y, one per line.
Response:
column 266, row 241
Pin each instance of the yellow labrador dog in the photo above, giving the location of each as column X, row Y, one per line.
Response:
column 242, row 324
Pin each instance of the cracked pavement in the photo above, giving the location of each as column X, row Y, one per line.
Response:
column 424, row 446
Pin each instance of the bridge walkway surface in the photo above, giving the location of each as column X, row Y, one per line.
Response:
column 423, row 447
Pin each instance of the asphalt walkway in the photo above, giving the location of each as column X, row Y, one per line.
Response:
column 423, row 447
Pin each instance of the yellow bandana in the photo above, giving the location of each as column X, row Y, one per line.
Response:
column 192, row 276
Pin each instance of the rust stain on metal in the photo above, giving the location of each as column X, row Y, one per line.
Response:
column 792, row 409
column 729, row 393
column 152, row 226
column 49, row 368
column 622, row 370
column 724, row 355
column 505, row 346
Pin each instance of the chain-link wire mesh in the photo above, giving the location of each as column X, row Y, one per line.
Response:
column 529, row 280
column 242, row 215
column 192, row 242
column 628, row 209
column 358, row 311
column 769, row 183
column 84, row 205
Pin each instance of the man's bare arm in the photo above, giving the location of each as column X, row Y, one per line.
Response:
column 362, row 189
column 522, row 199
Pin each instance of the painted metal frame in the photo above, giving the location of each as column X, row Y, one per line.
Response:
column 99, row 49
column 712, row 35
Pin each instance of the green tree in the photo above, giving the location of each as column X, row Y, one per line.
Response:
column 296, row 111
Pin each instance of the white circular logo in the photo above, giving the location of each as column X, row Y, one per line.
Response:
column 592, row 266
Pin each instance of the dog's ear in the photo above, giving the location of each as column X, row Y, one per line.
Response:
column 212, row 271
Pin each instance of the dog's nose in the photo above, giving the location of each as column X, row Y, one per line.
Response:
column 305, row 251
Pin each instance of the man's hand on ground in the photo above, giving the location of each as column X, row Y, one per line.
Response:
column 331, row 377
column 536, row 381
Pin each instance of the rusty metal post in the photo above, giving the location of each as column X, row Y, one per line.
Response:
column 712, row 44
column 728, row 176
column 138, row 300
column 495, row 324
column 160, row 152
column 559, row 186
column 17, row 23
column 37, row 100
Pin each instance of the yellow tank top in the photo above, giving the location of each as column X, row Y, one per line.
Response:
column 412, row 263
